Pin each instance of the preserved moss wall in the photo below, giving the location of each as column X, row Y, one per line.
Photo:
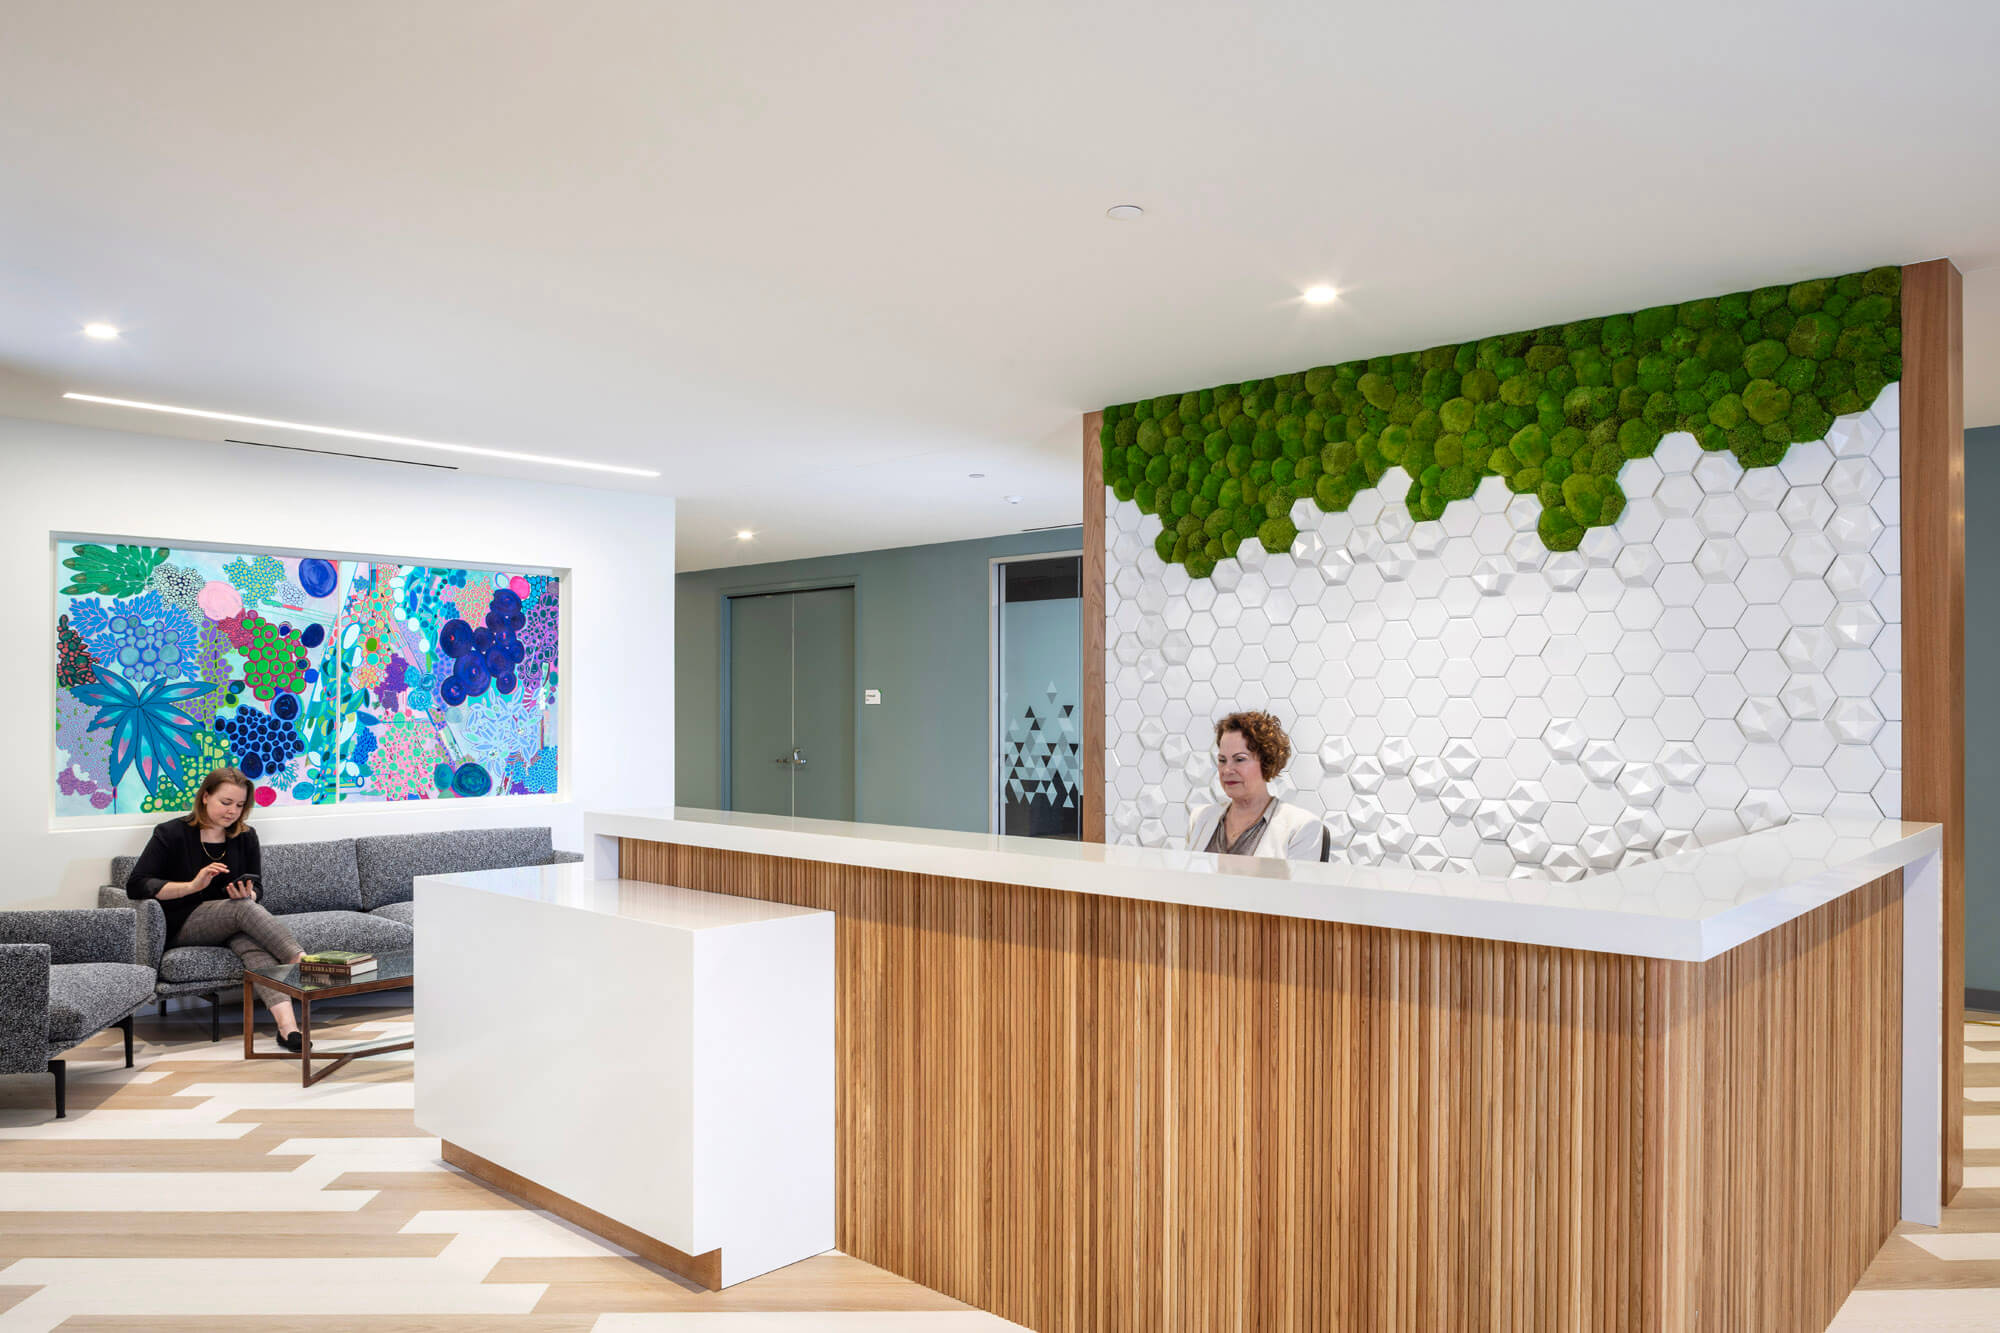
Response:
column 1556, row 411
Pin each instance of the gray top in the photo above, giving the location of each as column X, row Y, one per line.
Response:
column 1246, row 842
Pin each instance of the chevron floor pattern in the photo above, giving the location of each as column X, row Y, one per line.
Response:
column 200, row 1191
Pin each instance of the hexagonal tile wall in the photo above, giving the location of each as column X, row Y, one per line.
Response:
column 1726, row 657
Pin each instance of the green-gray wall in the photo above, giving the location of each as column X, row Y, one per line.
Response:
column 1982, row 712
column 921, row 616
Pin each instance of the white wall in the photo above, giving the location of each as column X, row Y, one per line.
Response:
column 615, row 549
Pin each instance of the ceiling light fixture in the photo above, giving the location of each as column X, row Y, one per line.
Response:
column 1318, row 294
column 101, row 332
column 341, row 433
column 1011, row 499
column 744, row 534
column 976, row 476
column 1124, row 212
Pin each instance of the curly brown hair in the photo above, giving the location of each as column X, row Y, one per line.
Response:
column 1265, row 737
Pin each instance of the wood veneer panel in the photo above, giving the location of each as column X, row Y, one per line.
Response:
column 1092, row 1113
column 1933, row 574
column 1093, row 629
column 703, row 1269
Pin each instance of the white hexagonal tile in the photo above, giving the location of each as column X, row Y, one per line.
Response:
column 1762, row 719
column 1762, row 489
column 1855, row 625
column 1600, row 761
column 1763, row 808
column 1721, row 515
column 1807, row 696
column 1854, row 578
column 1528, row 843
column 1806, row 464
column 1806, row 509
column 1854, row 529
column 1720, row 560
column 1808, row 554
column 1852, row 481
column 1854, row 721
column 1763, row 534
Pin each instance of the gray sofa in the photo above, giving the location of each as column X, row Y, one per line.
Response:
column 65, row 976
column 345, row 893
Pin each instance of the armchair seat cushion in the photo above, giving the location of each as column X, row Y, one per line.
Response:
column 403, row 912
column 84, row 997
column 200, row 962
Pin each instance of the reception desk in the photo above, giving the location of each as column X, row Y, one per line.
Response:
column 649, row 1062
column 1096, row 1088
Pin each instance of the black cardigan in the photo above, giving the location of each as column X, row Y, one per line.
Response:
column 174, row 855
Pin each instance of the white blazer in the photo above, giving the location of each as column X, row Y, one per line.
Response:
column 1292, row 833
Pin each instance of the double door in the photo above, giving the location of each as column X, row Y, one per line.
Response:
column 791, row 703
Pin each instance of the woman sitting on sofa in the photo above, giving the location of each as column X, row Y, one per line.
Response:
column 203, row 868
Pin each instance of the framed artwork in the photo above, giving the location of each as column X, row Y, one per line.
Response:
column 325, row 680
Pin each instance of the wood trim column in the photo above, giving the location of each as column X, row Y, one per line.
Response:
column 1093, row 629
column 1933, row 508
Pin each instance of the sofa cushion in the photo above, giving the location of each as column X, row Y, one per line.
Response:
column 200, row 962
column 121, row 869
column 84, row 997
column 311, row 877
column 403, row 912
column 313, row 930
column 348, row 930
column 390, row 862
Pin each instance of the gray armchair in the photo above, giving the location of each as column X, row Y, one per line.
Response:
column 64, row 977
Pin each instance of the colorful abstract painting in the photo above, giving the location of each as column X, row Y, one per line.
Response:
column 323, row 680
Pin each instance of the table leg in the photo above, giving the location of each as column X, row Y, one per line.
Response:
column 248, row 1026
column 305, row 1041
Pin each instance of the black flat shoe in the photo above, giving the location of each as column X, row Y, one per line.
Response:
column 293, row 1040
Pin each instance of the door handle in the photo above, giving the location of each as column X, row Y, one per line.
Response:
column 796, row 759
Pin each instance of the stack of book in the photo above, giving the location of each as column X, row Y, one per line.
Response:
column 335, row 965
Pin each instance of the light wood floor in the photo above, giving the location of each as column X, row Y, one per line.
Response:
column 1949, row 1278
column 203, row 1192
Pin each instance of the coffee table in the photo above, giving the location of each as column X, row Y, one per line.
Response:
column 392, row 971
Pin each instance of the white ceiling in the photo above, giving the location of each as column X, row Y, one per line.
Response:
column 818, row 263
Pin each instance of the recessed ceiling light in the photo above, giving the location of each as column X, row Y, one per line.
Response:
column 101, row 332
column 744, row 534
column 1124, row 212
column 344, row 434
column 1011, row 499
column 975, row 475
column 1319, row 294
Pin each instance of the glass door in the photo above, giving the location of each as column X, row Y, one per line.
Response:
column 1038, row 692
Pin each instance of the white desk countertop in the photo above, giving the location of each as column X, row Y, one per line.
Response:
column 1690, row 906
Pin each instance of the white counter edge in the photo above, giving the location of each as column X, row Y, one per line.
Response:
column 1464, row 905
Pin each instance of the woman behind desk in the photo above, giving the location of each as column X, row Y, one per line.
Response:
column 1251, row 749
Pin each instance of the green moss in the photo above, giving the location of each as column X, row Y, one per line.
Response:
column 1766, row 401
column 1814, row 335
column 1763, row 358
column 1556, row 411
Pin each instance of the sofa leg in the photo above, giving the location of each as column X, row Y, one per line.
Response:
column 214, row 1016
column 163, row 1011
column 127, row 1025
column 62, row 1088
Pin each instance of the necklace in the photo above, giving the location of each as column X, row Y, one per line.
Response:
column 220, row 850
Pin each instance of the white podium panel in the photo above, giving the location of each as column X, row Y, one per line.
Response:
column 660, row 1057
